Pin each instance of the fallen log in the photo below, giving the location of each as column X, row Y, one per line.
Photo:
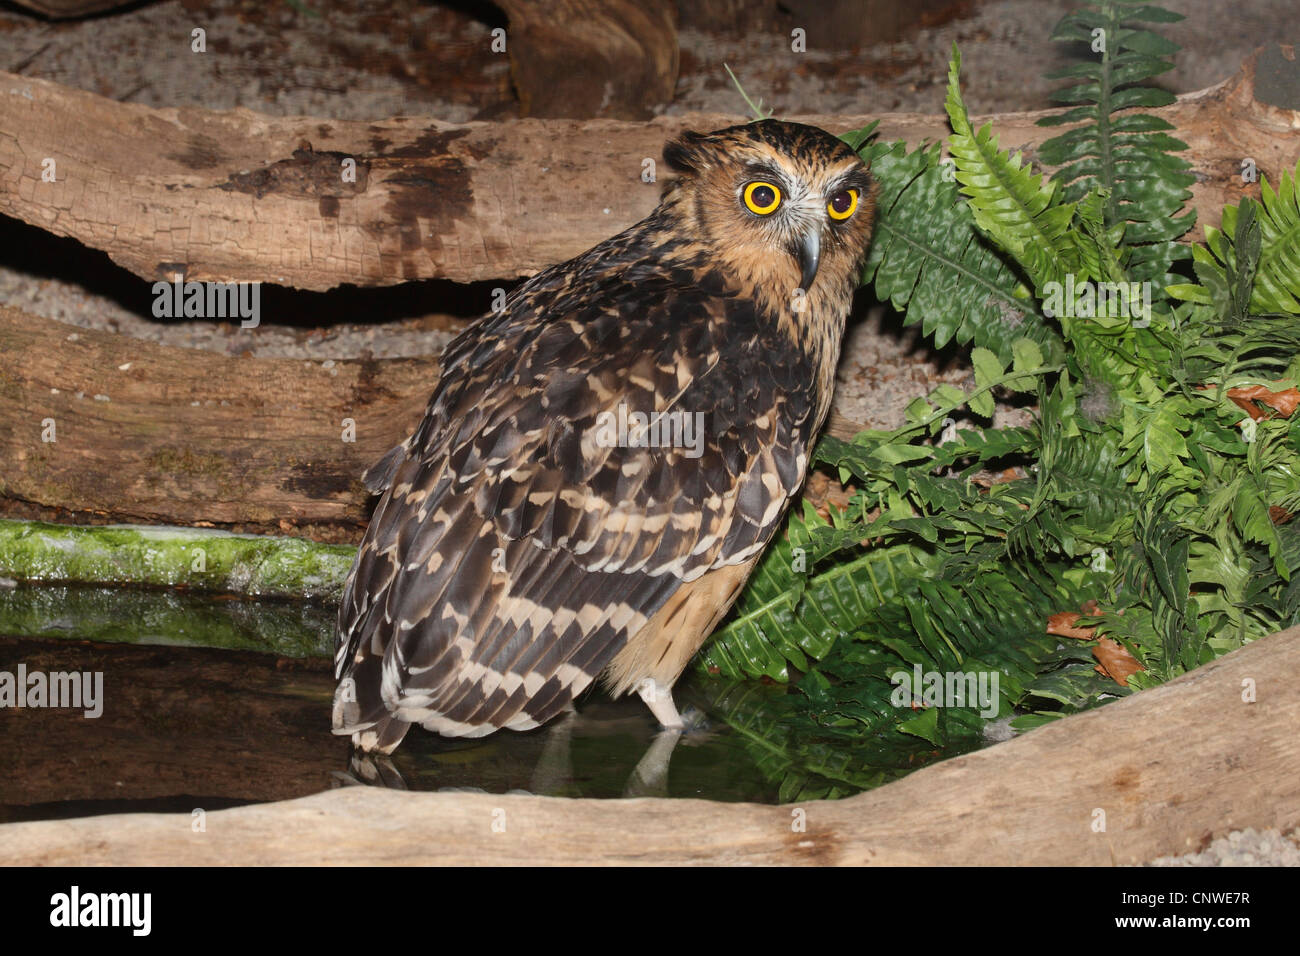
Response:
column 1161, row 772
column 99, row 424
column 239, row 196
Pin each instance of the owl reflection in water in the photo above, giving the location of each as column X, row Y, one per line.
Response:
column 537, row 531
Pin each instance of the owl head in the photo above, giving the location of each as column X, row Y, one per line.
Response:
column 786, row 208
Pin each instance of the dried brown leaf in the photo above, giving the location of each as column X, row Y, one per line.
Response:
column 1063, row 623
column 1250, row 397
column 1114, row 661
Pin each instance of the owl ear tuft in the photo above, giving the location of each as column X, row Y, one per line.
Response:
column 688, row 153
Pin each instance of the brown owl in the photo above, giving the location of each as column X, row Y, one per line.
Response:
column 604, row 459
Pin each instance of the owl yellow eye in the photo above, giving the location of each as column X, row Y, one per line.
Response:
column 843, row 204
column 762, row 198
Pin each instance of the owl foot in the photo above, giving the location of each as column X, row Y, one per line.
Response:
column 659, row 698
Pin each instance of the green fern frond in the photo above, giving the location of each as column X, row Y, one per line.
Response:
column 787, row 615
column 931, row 263
column 1276, row 240
column 1010, row 203
column 1262, row 594
column 855, row 723
column 1127, row 155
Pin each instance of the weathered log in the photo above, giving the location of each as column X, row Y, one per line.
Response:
column 612, row 59
column 163, row 435
column 1161, row 772
column 156, row 434
column 235, row 195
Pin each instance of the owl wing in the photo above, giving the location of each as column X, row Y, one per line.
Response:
column 522, row 540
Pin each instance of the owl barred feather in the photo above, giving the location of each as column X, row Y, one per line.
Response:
column 517, row 553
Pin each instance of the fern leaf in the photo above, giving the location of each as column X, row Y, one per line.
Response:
column 787, row 616
column 931, row 263
column 1128, row 156
column 1266, row 234
column 1009, row 202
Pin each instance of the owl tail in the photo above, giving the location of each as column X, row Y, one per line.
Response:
column 376, row 731
column 383, row 737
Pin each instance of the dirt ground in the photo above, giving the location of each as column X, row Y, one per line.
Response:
column 348, row 60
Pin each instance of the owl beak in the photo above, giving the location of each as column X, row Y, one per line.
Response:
column 810, row 256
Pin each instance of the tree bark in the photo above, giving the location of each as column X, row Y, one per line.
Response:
column 237, row 196
column 1161, row 772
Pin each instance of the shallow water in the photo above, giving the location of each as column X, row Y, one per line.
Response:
column 186, row 724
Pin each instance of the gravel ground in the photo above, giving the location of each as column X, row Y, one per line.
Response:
column 411, row 58
column 1248, row 847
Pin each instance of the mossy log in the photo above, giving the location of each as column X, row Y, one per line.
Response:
column 193, row 558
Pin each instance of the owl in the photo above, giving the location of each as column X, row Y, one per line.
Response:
column 605, row 458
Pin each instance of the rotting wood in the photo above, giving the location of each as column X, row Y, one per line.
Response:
column 239, row 196
column 1161, row 772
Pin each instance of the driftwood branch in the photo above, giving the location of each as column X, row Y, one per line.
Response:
column 1161, row 772
column 238, row 196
